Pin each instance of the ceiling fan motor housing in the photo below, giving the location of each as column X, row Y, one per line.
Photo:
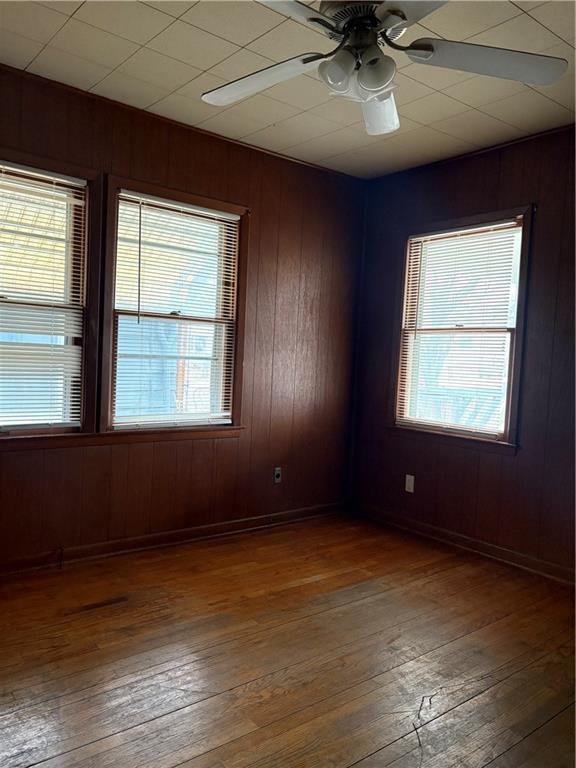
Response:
column 344, row 14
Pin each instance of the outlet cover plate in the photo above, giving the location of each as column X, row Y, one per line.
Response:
column 409, row 483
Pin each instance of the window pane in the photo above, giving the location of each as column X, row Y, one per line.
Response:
column 168, row 262
column 460, row 306
column 42, row 232
column 169, row 371
column 470, row 280
column 40, row 381
column 458, row 380
column 175, row 310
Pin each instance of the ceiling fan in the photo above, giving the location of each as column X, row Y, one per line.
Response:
column 358, row 68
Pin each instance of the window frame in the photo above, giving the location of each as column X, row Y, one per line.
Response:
column 511, row 440
column 91, row 308
column 115, row 185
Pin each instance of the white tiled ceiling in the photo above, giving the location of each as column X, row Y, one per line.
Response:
column 160, row 56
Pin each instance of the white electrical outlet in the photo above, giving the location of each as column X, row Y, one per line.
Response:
column 409, row 483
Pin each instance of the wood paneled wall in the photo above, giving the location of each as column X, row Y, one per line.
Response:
column 517, row 506
column 80, row 498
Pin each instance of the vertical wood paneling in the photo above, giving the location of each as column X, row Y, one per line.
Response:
column 488, row 496
column 457, row 472
column 119, row 148
column 11, row 113
column 224, row 483
column 92, row 524
column 195, row 482
column 270, row 195
column 319, row 457
column 302, row 463
column 249, row 357
column 146, row 133
column 239, row 162
column 556, row 530
column 51, row 142
column 164, row 476
column 177, row 166
column 102, row 143
column 301, row 264
column 283, row 390
column 22, row 478
column 338, row 405
column 521, row 502
column 62, row 497
column 140, row 474
column 120, row 491
column 207, row 166
column 537, row 175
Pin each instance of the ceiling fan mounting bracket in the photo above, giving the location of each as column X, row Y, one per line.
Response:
column 421, row 52
column 333, row 32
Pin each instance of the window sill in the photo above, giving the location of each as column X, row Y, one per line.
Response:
column 469, row 443
column 79, row 439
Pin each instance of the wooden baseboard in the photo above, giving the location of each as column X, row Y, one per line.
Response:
column 167, row 538
column 541, row 567
column 243, row 525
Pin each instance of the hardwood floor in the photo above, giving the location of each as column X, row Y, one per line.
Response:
column 329, row 643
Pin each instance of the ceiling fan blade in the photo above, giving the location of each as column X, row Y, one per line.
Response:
column 262, row 79
column 530, row 68
column 301, row 12
column 412, row 10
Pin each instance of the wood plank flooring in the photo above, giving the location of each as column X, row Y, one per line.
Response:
column 325, row 644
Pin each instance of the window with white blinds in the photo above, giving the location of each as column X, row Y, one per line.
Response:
column 458, row 331
column 174, row 314
column 42, row 261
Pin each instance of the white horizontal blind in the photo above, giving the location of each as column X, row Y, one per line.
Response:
column 458, row 330
column 42, row 261
column 174, row 314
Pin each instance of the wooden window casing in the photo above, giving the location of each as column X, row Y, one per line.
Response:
column 458, row 358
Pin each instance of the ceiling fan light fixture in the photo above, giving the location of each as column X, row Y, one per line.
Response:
column 380, row 115
column 336, row 71
column 377, row 70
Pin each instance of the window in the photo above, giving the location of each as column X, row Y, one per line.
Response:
column 174, row 314
column 458, row 337
column 42, row 256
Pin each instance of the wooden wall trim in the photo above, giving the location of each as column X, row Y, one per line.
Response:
column 167, row 538
column 116, row 437
column 494, row 552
